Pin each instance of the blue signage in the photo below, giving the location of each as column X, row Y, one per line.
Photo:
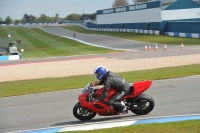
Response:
column 141, row 6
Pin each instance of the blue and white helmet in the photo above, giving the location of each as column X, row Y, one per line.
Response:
column 100, row 72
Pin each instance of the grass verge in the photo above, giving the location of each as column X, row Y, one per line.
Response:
column 160, row 39
column 23, row 87
column 191, row 126
column 39, row 44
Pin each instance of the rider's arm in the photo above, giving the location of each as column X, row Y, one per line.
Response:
column 100, row 82
column 105, row 92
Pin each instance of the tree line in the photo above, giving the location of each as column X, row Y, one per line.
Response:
column 44, row 18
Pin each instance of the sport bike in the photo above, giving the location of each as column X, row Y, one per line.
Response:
column 136, row 101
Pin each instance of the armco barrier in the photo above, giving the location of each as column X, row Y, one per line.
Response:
column 28, row 24
column 123, row 30
column 187, row 35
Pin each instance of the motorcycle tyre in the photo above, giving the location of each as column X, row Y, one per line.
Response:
column 144, row 97
column 82, row 118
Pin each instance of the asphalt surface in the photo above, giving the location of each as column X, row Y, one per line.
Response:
column 100, row 40
column 172, row 97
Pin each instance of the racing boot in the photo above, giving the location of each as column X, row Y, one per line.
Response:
column 124, row 108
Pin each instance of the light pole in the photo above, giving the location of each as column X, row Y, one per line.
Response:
column 9, row 38
column 5, row 41
column 0, row 42
column 9, row 43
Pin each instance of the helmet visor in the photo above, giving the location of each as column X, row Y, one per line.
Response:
column 97, row 75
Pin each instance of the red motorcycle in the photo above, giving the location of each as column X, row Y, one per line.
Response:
column 136, row 101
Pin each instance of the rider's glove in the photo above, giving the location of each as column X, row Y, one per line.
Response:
column 94, row 84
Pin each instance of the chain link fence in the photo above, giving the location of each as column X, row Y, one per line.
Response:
column 3, row 45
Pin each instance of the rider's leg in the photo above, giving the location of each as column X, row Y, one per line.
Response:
column 115, row 101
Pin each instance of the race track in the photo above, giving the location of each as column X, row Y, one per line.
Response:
column 172, row 97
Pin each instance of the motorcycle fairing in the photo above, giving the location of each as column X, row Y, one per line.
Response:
column 138, row 88
column 105, row 110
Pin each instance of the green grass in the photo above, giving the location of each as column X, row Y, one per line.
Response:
column 191, row 126
column 39, row 44
column 23, row 87
column 161, row 39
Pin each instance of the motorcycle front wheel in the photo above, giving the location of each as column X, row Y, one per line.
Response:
column 82, row 113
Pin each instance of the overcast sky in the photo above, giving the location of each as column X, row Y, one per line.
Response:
column 17, row 8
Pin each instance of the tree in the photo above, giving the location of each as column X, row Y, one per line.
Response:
column 1, row 19
column 17, row 21
column 29, row 18
column 84, row 17
column 53, row 19
column 88, row 16
column 73, row 16
column 42, row 18
column 25, row 18
column 32, row 18
column 45, row 18
column 138, row 1
column 8, row 20
column 93, row 16
column 117, row 3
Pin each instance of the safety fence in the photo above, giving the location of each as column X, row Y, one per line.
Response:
column 188, row 35
column 3, row 43
column 27, row 24
column 123, row 30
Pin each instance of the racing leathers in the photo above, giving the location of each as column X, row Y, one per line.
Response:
column 111, row 80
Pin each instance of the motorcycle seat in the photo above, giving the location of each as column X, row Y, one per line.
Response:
column 131, row 91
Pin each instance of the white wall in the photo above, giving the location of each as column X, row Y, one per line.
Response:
column 181, row 14
column 138, row 16
column 14, row 57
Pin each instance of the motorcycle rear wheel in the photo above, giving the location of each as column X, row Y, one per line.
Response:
column 82, row 113
column 144, row 104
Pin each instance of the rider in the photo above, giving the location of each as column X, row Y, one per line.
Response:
column 111, row 80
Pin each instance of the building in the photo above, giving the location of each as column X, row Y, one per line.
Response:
column 165, row 16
